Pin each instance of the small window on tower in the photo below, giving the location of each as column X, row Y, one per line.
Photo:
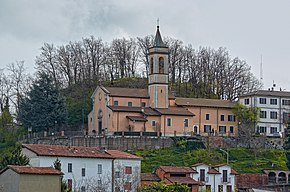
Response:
column 161, row 65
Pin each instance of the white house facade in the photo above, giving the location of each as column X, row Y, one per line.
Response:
column 219, row 178
column 88, row 168
column 274, row 110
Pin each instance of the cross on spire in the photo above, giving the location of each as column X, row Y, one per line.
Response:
column 158, row 22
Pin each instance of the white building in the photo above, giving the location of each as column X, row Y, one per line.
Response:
column 88, row 168
column 218, row 178
column 274, row 110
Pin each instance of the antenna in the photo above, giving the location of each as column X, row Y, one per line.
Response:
column 261, row 71
column 158, row 21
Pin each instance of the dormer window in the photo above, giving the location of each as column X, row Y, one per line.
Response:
column 161, row 65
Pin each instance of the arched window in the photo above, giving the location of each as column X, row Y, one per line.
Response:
column 151, row 65
column 161, row 65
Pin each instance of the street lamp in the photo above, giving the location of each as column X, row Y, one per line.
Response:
column 227, row 155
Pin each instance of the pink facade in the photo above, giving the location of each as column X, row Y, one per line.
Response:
column 155, row 110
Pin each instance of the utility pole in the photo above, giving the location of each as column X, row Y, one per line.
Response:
column 227, row 155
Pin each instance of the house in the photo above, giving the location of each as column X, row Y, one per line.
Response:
column 88, row 167
column 215, row 178
column 274, row 110
column 155, row 111
column 170, row 175
column 26, row 179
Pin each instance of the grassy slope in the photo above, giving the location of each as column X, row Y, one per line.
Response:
column 242, row 160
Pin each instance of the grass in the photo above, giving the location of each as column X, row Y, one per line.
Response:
column 241, row 159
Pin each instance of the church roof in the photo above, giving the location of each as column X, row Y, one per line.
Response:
column 174, row 111
column 137, row 118
column 200, row 102
column 158, row 39
column 129, row 92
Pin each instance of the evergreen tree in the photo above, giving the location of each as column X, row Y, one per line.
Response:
column 43, row 108
column 57, row 165
column 13, row 158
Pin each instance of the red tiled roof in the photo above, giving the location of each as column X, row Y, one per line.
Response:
column 220, row 165
column 200, row 102
column 174, row 111
column 125, row 109
column 183, row 180
column 67, row 151
column 197, row 164
column 129, row 92
column 213, row 171
column 177, row 169
column 137, row 118
column 121, row 155
column 33, row 170
column 234, row 172
column 149, row 177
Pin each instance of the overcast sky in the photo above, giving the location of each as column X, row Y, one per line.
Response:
column 247, row 28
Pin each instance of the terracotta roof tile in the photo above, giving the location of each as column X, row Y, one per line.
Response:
column 67, row 151
column 129, row 92
column 234, row 172
column 183, row 180
column 121, row 155
column 35, row 170
column 125, row 109
column 198, row 164
column 149, row 177
column 200, row 102
column 213, row 171
column 174, row 111
column 220, row 165
column 177, row 169
column 137, row 118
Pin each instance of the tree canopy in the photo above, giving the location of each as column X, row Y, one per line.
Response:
column 43, row 108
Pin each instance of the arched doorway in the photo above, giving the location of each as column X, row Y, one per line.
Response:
column 272, row 177
column 100, row 124
column 281, row 177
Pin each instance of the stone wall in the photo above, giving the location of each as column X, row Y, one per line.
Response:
column 108, row 142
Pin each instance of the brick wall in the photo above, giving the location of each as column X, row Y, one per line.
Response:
column 247, row 180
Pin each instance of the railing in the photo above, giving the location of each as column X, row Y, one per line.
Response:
column 132, row 133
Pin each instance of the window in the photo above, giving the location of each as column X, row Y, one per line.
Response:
column 273, row 115
column 127, row 186
column 229, row 188
column 263, row 114
column 143, row 104
column 273, row 130
column 129, row 104
column 247, row 101
column 231, row 118
column 151, row 65
column 69, row 167
column 69, row 184
column 222, row 117
column 202, row 175
column 225, row 176
column 161, row 65
column 285, row 102
column 273, row 101
column 117, row 174
column 153, row 123
column 208, row 188
column 168, row 122
column 261, row 129
column 185, row 122
column 231, row 129
column 83, row 172
column 128, row 170
column 262, row 100
column 100, row 168
column 206, row 116
column 116, row 103
column 207, row 128
column 222, row 129
column 220, row 188
column 99, row 182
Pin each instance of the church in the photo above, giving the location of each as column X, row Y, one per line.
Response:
column 155, row 111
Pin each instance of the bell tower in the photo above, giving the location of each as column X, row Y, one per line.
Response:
column 158, row 73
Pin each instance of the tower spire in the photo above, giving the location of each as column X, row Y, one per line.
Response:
column 158, row 39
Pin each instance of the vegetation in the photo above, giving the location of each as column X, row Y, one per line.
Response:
column 162, row 187
column 242, row 160
column 13, row 157
column 57, row 165
column 44, row 108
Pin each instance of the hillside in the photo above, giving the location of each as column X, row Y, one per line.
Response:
column 241, row 159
